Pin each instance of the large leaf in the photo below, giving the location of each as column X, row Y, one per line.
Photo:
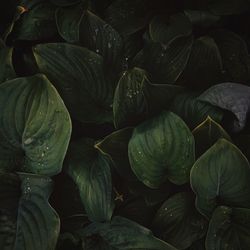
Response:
column 206, row 134
column 27, row 221
column 121, row 234
column 7, row 71
column 136, row 98
column 82, row 85
column 193, row 111
column 165, row 63
column 155, row 149
column 233, row 97
column 234, row 53
column 115, row 146
column 165, row 29
column 35, row 126
column 38, row 23
column 229, row 228
column 178, row 222
column 204, row 66
column 90, row 170
column 221, row 176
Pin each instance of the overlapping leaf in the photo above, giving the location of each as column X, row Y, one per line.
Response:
column 35, row 126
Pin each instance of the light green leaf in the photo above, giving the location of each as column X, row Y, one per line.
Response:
column 160, row 149
column 221, row 176
column 82, row 85
column 35, row 126
column 90, row 170
column 121, row 234
column 178, row 222
column 7, row 71
column 206, row 134
column 229, row 228
column 27, row 221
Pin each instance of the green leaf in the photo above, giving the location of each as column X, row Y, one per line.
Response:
column 7, row 71
column 38, row 23
column 165, row 29
column 221, row 176
column 115, row 146
column 178, row 222
column 27, row 221
column 198, row 245
column 82, row 85
column 207, row 134
column 204, row 67
column 90, row 170
column 192, row 111
column 201, row 18
column 234, row 53
column 35, row 126
column 65, row 2
column 229, row 228
column 123, row 234
column 165, row 63
column 155, row 149
column 233, row 97
column 136, row 98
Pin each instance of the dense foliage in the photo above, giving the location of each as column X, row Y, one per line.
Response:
column 124, row 124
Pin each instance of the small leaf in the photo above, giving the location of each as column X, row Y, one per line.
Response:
column 233, row 97
column 90, row 170
column 221, row 176
column 229, row 228
column 165, row 29
column 155, row 149
column 27, row 221
column 82, row 85
column 35, row 126
column 7, row 71
column 178, row 222
column 124, row 234
column 165, row 63
column 206, row 134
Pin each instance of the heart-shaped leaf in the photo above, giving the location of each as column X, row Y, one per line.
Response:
column 165, row 63
column 229, row 228
column 82, row 85
column 221, row 176
column 7, row 71
column 165, row 29
column 35, row 126
column 193, row 111
column 206, row 134
column 27, row 221
column 90, row 170
column 124, row 234
column 155, row 148
column 178, row 222
column 233, row 97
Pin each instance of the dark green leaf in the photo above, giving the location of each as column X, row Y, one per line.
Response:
column 155, row 149
column 221, row 176
column 27, row 221
column 206, row 134
column 233, row 97
column 78, row 75
column 35, row 126
column 178, row 222
column 90, row 170
column 229, row 228
column 123, row 234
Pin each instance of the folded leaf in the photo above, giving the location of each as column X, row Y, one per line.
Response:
column 27, row 221
column 221, row 176
column 155, row 149
column 229, row 228
column 90, row 170
column 35, row 126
